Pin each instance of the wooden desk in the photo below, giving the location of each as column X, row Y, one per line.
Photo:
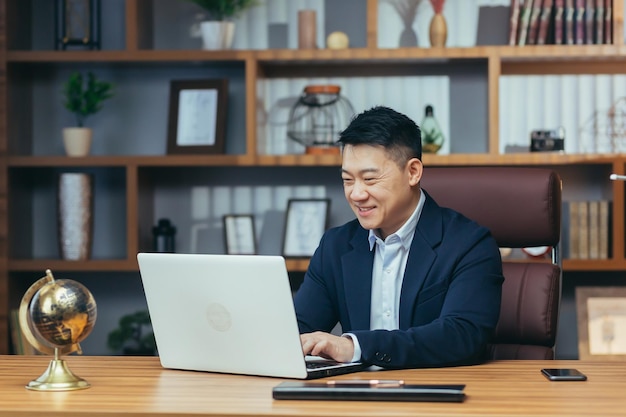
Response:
column 132, row 386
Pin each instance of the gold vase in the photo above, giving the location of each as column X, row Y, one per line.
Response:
column 438, row 30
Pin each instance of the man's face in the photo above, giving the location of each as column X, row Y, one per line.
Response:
column 381, row 194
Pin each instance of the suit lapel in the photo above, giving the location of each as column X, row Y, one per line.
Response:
column 357, row 271
column 428, row 234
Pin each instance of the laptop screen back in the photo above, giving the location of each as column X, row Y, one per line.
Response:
column 223, row 313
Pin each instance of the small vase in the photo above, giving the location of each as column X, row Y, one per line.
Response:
column 75, row 205
column 438, row 31
column 307, row 29
column 408, row 37
column 77, row 141
column 217, row 35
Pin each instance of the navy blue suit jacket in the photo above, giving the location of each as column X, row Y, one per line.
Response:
column 449, row 302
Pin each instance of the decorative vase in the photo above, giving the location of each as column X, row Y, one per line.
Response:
column 75, row 207
column 77, row 141
column 408, row 37
column 432, row 136
column 438, row 31
column 307, row 29
column 217, row 35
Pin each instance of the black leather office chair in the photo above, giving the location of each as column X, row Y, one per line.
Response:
column 522, row 208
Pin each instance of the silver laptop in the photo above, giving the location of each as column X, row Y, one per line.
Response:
column 228, row 314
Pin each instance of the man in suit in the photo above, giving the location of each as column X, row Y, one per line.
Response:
column 411, row 283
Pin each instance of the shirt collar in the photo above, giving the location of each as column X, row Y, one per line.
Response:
column 406, row 231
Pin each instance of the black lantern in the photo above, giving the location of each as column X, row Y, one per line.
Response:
column 77, row 24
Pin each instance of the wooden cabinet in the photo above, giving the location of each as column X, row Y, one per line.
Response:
column 131, row 170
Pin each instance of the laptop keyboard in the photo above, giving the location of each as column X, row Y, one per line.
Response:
column 321, row 364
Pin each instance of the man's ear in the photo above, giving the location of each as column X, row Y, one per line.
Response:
column 414, row 170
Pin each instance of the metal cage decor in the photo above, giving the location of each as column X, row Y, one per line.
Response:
column 318, row 116
column 77, row 24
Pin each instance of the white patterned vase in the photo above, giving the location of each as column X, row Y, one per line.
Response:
column 75, row 206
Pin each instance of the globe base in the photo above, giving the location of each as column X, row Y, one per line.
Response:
column 58, row 377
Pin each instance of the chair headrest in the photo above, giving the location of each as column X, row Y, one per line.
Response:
column 521, row 206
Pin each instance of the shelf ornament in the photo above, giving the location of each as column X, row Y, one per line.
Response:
column 55, row 316
column 83, row 96
column 318, row 116
column 407, row 10
column 438, row 31
column 218, row 29
column 77, row 24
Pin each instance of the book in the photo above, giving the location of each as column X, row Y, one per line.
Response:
column 544, row 22
column 565, row 230
column 514, row 20
column 533, row 24
column 590, row 8
column 524, row 21
column 559, row 17
column 603, row 226
column 599, row 21
column 579, row 22
column 594, row 229
column 608, row 22
column 583, row 230
column 573, row 230
column 569, row 22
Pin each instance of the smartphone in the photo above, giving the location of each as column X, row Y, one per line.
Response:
column 563, row 374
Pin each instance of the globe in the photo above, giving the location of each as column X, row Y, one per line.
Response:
column 62, row 313
column 55, row 316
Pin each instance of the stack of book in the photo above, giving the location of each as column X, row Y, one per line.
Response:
column 561, row 22
column 586, row 229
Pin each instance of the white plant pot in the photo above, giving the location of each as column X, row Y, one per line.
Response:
column 217, row 35
column 77, row 141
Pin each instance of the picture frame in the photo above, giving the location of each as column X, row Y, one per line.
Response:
column 239, row 234
column 306, row 220
column 601, row 319
column 197, row 116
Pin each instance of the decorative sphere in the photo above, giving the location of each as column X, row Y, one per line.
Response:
column 337, row 40
column 62, row 313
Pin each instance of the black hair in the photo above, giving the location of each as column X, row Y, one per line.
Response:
column 382, row 126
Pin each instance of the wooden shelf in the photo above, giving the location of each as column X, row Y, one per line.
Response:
column 507, row 54
column 40, row 265
column 534, row 158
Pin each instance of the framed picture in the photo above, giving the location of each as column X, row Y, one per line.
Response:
column 197, row 116
column 239, row 234
column 305, row 223
column 601, row 316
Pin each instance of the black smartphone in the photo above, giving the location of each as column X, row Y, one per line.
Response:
column 564, row 374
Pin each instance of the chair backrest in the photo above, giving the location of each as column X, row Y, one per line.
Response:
column 522, row 208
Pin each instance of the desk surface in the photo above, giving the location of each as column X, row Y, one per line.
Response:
column 138, row 386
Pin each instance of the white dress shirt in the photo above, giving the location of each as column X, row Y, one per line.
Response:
column 387, row 275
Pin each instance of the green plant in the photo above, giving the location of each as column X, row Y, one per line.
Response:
column 85, row 98
column 133, row 336
column 223, row 9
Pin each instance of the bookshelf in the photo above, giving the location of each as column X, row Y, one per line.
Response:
column 132, row 178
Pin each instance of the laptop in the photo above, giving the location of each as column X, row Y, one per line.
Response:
column 228, row 314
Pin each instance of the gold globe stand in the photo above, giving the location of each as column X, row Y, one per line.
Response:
column 58, row 376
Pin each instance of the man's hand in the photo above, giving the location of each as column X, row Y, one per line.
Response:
column 326, row 345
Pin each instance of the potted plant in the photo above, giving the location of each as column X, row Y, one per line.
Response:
column 133, row 336
column 83, row 96
column 218, row 30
